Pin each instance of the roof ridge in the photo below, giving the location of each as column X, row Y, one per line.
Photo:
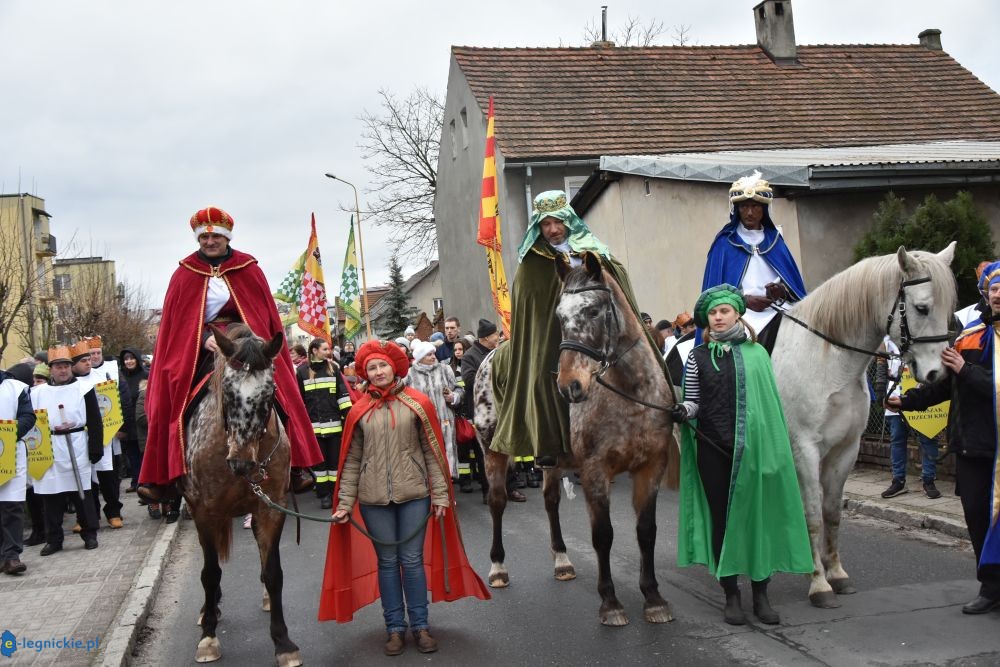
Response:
column 685, row 47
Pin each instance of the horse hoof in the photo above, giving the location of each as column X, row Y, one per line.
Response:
column 842, row 586
column 614, row 618
column 824, row 600
column 266, row 604
column 289, row 659
column 499, row 580
column 658, row 614
column 565, row 573
column 208, row 650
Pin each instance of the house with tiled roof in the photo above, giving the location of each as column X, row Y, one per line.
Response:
column 558, row 111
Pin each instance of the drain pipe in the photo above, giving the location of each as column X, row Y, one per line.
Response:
column 527, row 190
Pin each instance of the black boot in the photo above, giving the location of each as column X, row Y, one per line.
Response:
column 733, row 613
column 761, row 605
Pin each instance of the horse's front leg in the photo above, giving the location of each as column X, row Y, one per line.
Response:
column 645, row 487
column 807, row 466
column 551, row 490
column 596, row 488
column 836, row 467
column 209, row 649
column 496, row 473
column 268, row 524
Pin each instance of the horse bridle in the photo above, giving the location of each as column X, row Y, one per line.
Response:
column 906, row 340
column 605, row 357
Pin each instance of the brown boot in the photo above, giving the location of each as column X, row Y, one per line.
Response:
column 301, row 480
column 425, row 643
column 394, row 645
column 156, row 493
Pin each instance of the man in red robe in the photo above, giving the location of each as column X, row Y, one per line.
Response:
column 215, row 285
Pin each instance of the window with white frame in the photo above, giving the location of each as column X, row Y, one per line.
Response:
column 438, row 304
column 573, row 185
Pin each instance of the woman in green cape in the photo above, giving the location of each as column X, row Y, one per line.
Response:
column 740, row 511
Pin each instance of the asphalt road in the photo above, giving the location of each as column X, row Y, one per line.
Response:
column 907, row 611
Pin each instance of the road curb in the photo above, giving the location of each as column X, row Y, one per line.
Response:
column 907, row 517
column 132, row 616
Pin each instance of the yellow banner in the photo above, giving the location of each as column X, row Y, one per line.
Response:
column 111, row 409
column 38, row 442
column 8, row 450
column 931, row 421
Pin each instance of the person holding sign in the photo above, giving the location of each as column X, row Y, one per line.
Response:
column 972, row 434
column 16, row 419
column 77, row 443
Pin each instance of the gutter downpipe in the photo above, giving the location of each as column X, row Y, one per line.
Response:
column 594, row 162
column 527, row 189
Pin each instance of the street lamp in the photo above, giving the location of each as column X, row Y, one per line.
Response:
column 361, row 253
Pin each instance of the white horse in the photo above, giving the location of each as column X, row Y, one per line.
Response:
column 823, row 388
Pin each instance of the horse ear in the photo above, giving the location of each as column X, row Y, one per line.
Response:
column 274, row 345
column 906, row 263
column 948, row 254
column 593, row 264
column 226, row 346
column 562, row 266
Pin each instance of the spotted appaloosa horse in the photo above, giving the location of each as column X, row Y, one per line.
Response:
column 609, row 433
column 232, row 434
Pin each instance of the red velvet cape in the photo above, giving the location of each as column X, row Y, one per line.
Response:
column 350, row 576
column 176, row 355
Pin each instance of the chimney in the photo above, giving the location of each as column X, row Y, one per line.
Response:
column 776, row 31
column 931, row 39
column 604, row 42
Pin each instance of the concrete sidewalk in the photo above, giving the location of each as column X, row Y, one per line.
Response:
column 106, row 594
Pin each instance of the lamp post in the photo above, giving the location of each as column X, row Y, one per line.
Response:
column 361, row 253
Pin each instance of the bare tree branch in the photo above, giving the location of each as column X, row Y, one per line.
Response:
column 118, row 313
column 400, row 147
column 637, row 32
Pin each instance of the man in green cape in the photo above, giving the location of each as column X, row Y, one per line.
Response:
column 740, row 508
column 532, row 418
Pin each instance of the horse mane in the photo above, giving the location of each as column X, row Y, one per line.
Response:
column 861, row 293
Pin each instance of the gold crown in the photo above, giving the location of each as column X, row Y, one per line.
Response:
column 550, row 202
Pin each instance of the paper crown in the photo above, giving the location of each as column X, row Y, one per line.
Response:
column 751, row 187
column 212, row 220
column 60, row 353
column 683, row 319
column 94, row 342
column 79, row 349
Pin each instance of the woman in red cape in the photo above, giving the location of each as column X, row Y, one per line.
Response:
column 350, row 577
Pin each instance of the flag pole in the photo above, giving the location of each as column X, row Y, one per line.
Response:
column 361, row 253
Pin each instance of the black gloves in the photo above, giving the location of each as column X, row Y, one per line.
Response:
column 678, row 413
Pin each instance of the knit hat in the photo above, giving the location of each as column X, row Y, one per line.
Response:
column 421, row 348
column 645, row 318
column 78, row 350
column 60, row 353
column 41, row 371
column 437, row 338
column 381, row 349
column 212, row 220
column 714, row 296
column 410, row 330
column 485, row 328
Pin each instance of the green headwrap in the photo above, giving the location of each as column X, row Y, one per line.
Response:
column 554, row 204
column 712, row 297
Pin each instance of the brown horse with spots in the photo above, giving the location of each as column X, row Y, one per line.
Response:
column 607, row 371
column 234, row 436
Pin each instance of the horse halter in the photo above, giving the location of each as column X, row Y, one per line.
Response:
column 906, row 341
column 605, row 356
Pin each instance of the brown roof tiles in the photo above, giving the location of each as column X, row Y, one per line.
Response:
column 586, row 102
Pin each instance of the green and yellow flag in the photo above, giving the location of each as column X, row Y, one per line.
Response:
column 350, row 289
column 290, row 289
column 39, row 445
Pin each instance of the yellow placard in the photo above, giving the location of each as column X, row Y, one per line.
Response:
column 38, row 442
column 8, row 450
column 931, row 421
column 111, row 409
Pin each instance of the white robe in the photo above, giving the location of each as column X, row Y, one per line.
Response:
column 59, row 478
column 758, row 274
column 14, row 489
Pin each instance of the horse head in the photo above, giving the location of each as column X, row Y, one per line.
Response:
column 592, row 325
column 924, row 310
column 245, row 375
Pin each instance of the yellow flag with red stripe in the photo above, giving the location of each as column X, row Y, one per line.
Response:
column 489, row 229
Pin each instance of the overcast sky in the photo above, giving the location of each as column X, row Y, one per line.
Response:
column 127, row 116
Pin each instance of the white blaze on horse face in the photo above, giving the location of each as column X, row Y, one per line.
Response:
column 582, row 319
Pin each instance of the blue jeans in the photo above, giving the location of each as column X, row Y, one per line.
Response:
column 390, row 523
column 898, row 431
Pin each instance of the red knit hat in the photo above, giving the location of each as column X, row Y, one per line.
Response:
column 212, row 220
column 381, row 349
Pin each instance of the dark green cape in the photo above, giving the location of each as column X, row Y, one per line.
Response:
column 765, row 526
column 532, row 418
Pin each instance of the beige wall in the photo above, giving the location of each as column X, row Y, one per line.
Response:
column 423, row 294
column 663, row 237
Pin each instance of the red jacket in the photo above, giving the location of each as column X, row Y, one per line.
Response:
column 350, row 576
column 176, row 355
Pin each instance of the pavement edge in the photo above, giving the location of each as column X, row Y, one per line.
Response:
column 134, row 611
column 906, row 517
